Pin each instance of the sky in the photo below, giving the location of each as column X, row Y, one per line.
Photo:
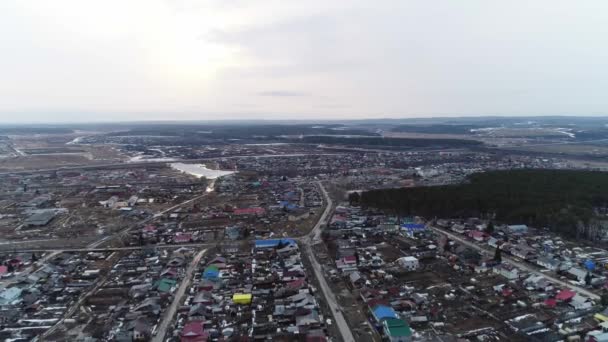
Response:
column 128, row 60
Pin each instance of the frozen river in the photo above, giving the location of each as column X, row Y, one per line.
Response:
column 200, row 170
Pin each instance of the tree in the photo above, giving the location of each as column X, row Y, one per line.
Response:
column 34, row 257
column 604, row 297
column 447, row 247
column 354, row 198
column 490, row 227
column 588, row 279
column 498, row 254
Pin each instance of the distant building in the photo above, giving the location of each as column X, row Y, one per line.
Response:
column 409, row 263
column 517, row 229
column 508, row 271
column 39, row 219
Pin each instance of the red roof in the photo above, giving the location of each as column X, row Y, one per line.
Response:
column 182, row 237
column 565, row 295
column 193, row 332
column 551, row 302
column 149, row 229
column 296, row 284
column 249, row 211
column 477, row 234
column 350, row 259
column 3, row 269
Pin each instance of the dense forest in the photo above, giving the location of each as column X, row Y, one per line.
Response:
column 391, row 142
column 569, row 202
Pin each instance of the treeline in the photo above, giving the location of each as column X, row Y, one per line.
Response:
column 565, row 201
column 34, row 130
column 240, row 131
column 391, row 142
column 436, row 129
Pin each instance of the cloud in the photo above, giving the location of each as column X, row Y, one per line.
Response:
column 300, row 59
column 282, row 93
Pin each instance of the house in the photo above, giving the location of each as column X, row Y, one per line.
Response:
column 577, row 273
column 412, row 228
column 141, row 330
column 548, row 263
column 524, row 252
column 149, row 305
column 311, row 318
column 10, row 295
column 579, row 302
column 382, row 312
column 507, row 270
column 242, row 298
column 40, row 219
column 408, row 262
column 597, row 336
column 565, row 295
column 458, row 228
column 165, row 285
column 182, row 238
column 193, row 332
column 356, row 279
column 397, row 330
column 478, row 235
column 273, row 243
column 212, row 272
column 537, row 282
column 517, row 229
column 347, row 264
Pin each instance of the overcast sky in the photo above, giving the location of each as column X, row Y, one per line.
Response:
column 255, row 59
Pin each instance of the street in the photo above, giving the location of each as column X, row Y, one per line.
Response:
column 177, row 298
column 314, row 237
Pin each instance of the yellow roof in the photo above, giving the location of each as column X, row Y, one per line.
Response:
column 238, row 296
column 601, row 317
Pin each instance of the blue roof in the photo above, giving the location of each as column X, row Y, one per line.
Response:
column 273, row 243
column 383, row 312
column 413, row 226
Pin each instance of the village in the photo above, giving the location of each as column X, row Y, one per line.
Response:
column 263, row 248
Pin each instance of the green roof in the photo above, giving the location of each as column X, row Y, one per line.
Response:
column 165, row 285
column 397, row 327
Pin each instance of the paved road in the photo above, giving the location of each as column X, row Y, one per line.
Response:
column 313, row 237
column 170, row 312
column 520, row 265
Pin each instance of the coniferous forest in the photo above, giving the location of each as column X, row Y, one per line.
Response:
column 569, row 202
